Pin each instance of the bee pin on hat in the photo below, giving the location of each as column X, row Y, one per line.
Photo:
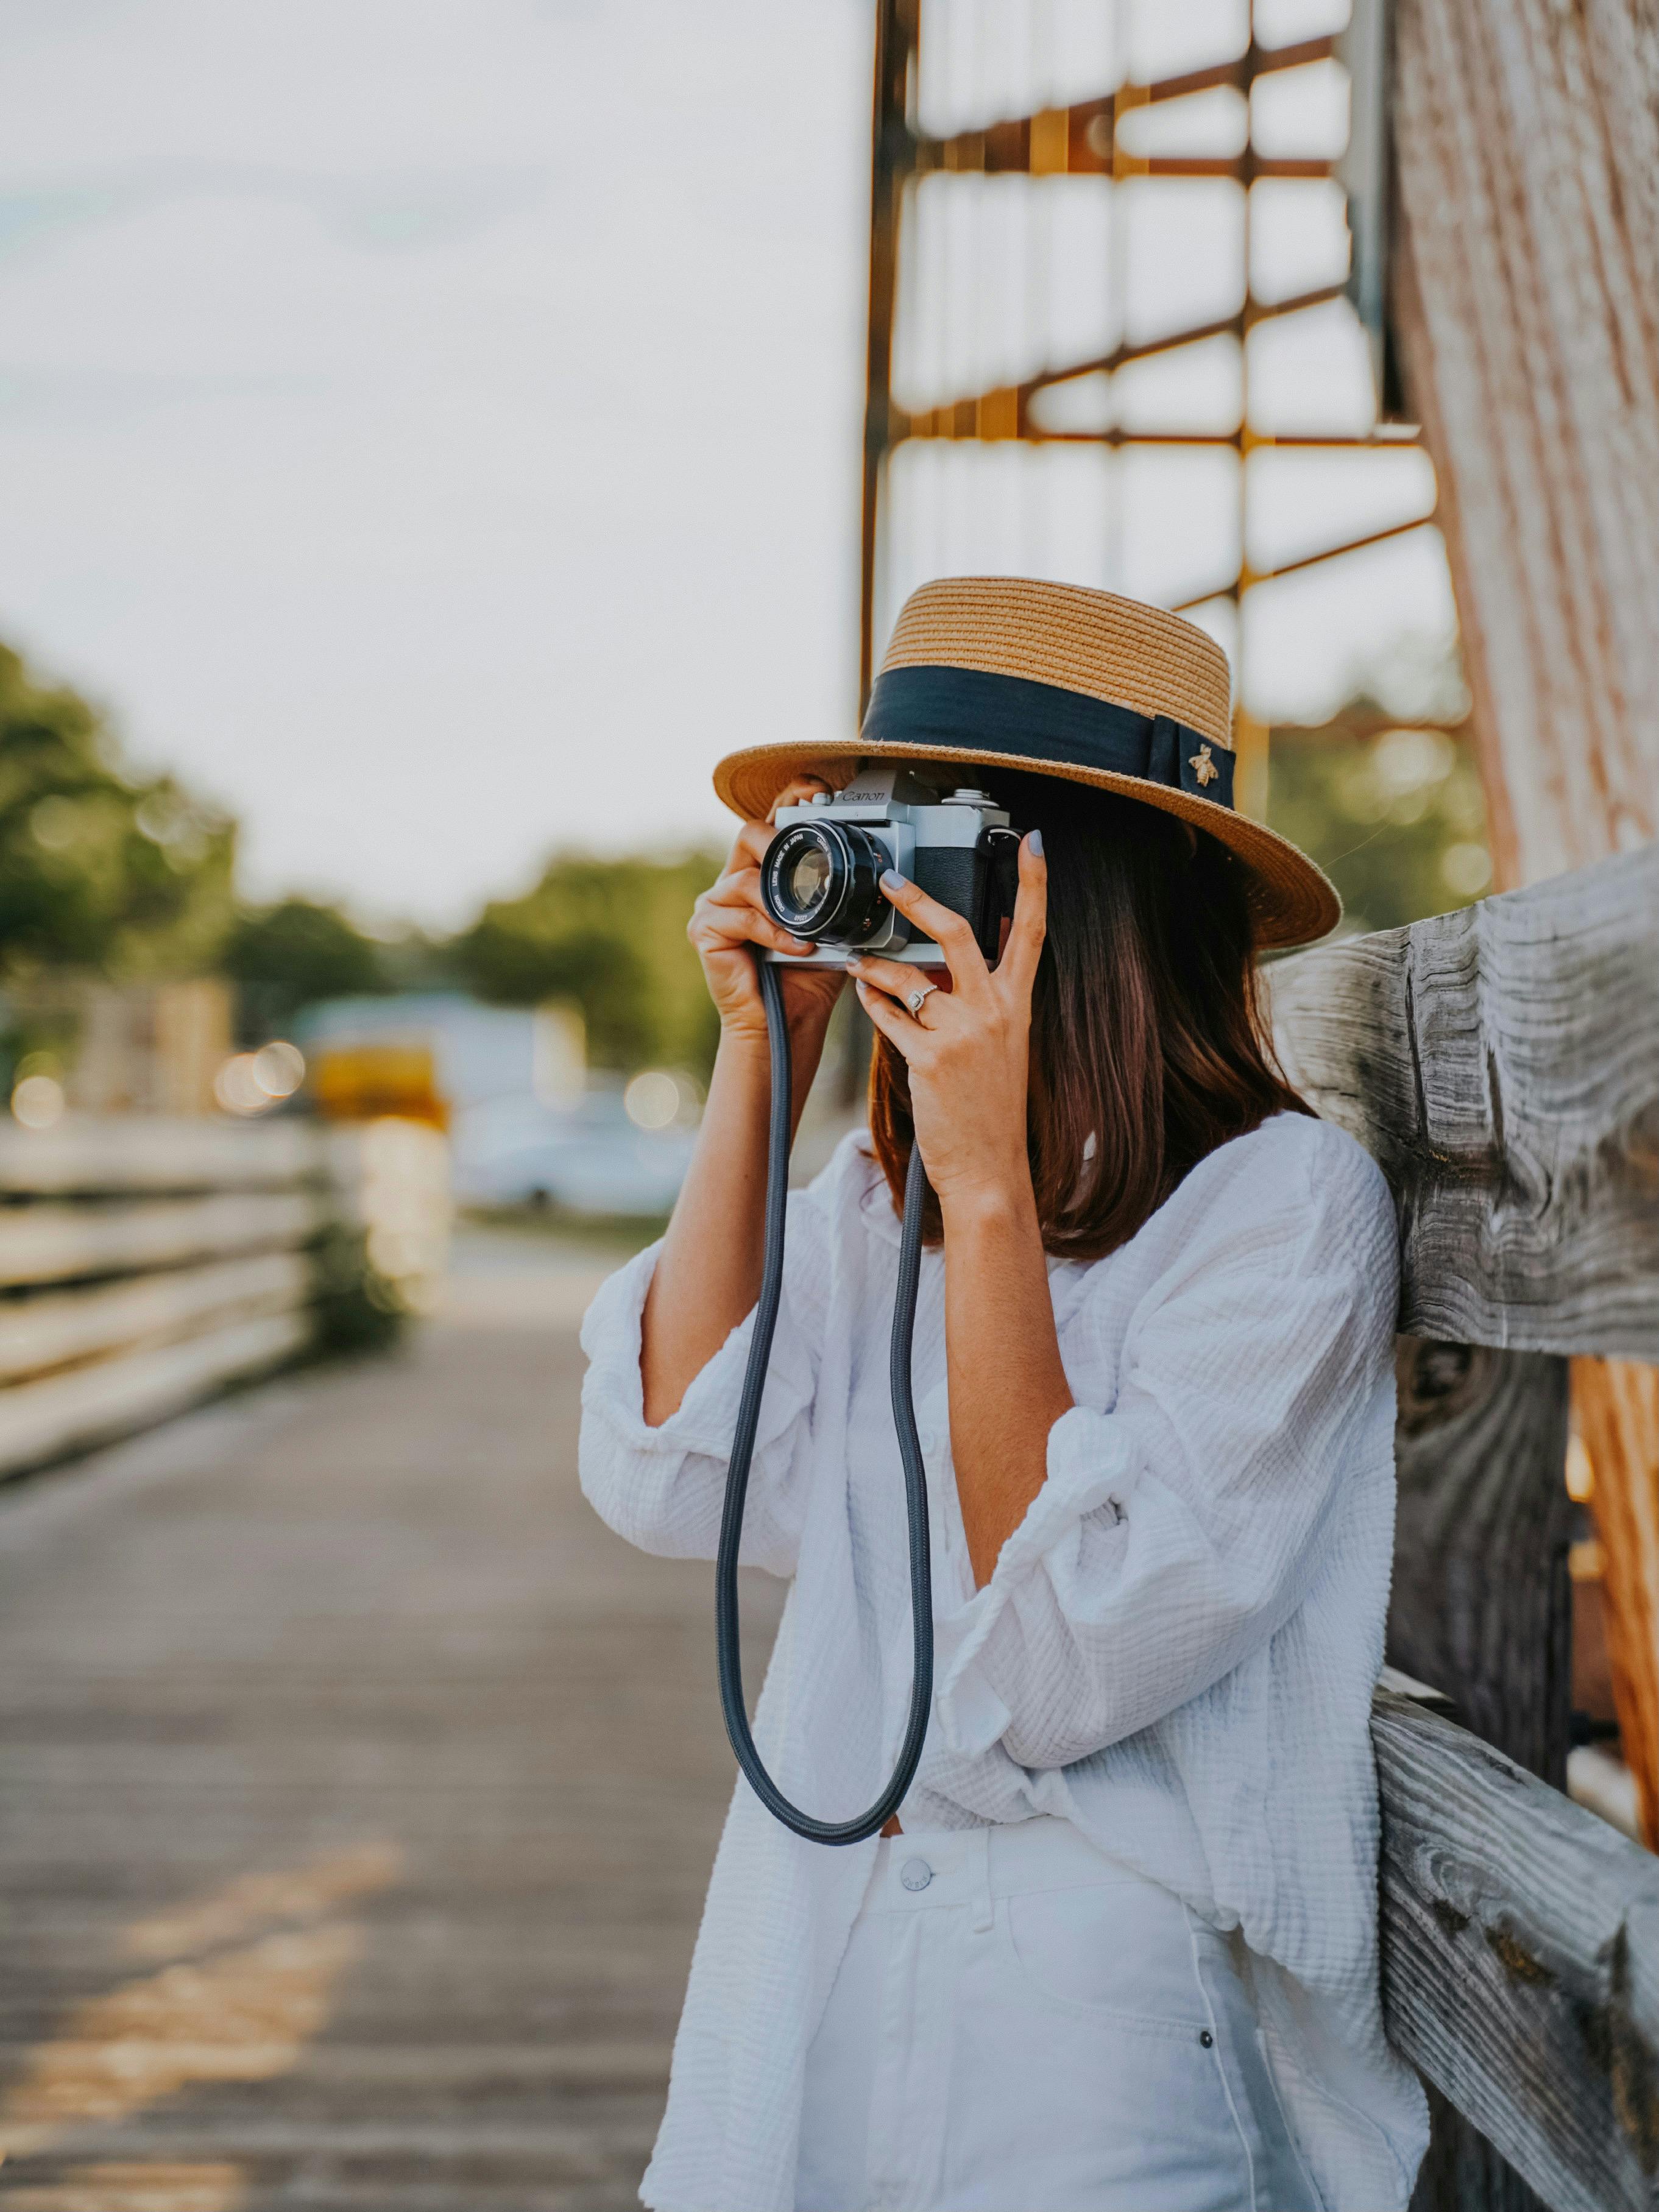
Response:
column 997, row 672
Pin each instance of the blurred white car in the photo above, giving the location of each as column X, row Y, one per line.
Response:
column 590, row 1158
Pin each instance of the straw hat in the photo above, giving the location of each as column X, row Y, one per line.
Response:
column 1006, row 673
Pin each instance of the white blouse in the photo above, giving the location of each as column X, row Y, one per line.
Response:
column 1175, row 1652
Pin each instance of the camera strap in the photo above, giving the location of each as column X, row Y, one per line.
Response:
column 742, row 1446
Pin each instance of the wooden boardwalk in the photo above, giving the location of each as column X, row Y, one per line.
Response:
column 359, row 1794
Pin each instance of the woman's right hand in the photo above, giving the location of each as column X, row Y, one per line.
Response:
column 708, row 1273
column 729, row 919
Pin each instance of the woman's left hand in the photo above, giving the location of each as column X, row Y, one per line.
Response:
column 967, row 1048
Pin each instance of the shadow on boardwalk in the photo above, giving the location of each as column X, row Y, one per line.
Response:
column 361, row 1790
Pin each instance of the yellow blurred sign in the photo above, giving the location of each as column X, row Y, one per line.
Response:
column 363, row 1082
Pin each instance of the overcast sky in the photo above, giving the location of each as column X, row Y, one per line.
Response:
column 431, row 425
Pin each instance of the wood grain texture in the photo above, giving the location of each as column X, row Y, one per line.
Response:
column 51, row 1243
column 1502, row 1064
column 365, row 1617
column 1482, row 1609
column 52, row 1330
column 1521, row 1962
column 1526, row 311
column 135, row 1152
column 42, row 1420
column 1482, row 1605
column 1461, row 2171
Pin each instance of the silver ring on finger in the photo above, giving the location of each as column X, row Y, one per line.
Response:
column 917, row 999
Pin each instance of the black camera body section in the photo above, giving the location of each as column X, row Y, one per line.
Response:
column 820, row 876
column 961, row 876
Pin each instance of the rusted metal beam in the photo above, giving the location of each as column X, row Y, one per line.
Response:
column 1081, row 140
column 963, row 418
column 897, row 25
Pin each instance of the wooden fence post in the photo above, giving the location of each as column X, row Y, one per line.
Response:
column 1482, row 1605
column 1482, row 1610
column 1501, row 1066
column 1527, row 142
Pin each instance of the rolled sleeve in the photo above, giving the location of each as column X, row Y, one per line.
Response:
column 1090, row 1474
column 663, row 1486
column 703, row 1421
column 1175, row 1533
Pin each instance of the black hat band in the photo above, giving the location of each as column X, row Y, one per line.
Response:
column 937, row 708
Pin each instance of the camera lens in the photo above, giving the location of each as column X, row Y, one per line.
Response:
column 819, row 881
column 806, row 879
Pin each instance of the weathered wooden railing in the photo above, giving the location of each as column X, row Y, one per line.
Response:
column 145, row 1263
column 1502, row 1064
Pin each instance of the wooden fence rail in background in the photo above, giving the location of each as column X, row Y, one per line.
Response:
column 1525, row 237
column 145, row 1263
column 1502, row 1064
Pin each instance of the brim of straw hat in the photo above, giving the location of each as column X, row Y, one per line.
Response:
column 1056, row 680
column 1291, row 900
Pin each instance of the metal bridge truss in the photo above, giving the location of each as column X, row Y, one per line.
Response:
column 1070, row 403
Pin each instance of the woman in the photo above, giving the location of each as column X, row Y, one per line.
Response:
column 1119, row 1952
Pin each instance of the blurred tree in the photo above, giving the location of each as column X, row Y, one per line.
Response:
column 600, row 973
column 1394, row 815
column 411, row 959
column 286, row 956
column 608, row 935
column 99, row 868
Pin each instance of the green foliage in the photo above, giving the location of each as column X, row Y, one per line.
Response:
column 611, row 936
column 601, row 974
column 1396, row 820
column 99, row 868
column 289, row 955
column 354, row 1307
column 412, row 960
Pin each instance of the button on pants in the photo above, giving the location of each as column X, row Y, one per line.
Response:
column 1021, row 2025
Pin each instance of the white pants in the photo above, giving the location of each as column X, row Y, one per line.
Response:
column 1022, row 2025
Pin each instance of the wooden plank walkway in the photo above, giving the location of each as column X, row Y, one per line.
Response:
column 359, row 1794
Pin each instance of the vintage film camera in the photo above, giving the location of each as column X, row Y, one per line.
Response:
column 819, row 880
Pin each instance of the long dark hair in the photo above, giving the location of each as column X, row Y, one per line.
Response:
column 1148, row 1035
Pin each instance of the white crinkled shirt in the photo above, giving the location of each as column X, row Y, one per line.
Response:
column 1177, row 1650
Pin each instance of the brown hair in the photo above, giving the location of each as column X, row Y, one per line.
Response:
column 1147, row 1031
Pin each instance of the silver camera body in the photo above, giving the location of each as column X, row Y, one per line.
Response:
column 820, row 877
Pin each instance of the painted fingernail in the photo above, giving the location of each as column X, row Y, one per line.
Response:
column 891, row 880
column 1034, row 842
